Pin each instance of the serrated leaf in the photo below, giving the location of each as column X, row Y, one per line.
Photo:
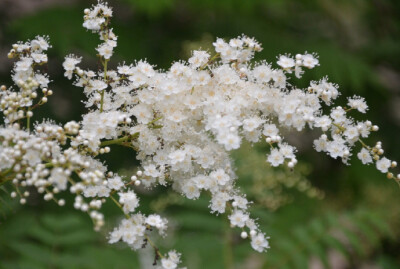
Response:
column 334, row 243
column 380, row 224
column 354, row 241
column 32, row 251
column 369, row 233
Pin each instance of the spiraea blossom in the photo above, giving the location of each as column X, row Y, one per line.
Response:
column 182, row 122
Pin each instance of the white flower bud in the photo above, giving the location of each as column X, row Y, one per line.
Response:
column 48, row 196
column 243, row 235
column 84, row 207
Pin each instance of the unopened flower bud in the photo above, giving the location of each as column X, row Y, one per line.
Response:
column 243, row 235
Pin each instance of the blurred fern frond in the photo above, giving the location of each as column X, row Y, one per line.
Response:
column 53, row 241
column 354, row 234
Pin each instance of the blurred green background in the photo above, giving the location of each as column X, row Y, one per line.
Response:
column 321, row 215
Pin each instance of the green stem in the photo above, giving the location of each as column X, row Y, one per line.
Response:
column 6, row 173
column 101, row 101
column 28, row 123
column 153, row 246
column 119, row 205
column 105, row 69
column 363, row 144
column 228, row 254
column 215, row 57
column 119, row 140
column 3, row 174
column 146, row 236
column 105, row 78
column 153, row 121
column 4, row 180
column 341, row 128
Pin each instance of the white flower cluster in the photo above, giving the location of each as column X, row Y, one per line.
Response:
column 182, row 123
column 97, row 20
column 16, row 104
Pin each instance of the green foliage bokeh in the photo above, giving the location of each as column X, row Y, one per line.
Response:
column 323, row 207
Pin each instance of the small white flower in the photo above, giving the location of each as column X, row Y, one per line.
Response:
column 259, row 242
column 168, row 264
column 151, row 171
column 39, row 57
column 129, row 201
column 251, row 124
column 70, row 62
column 238, row 218
column 220, row 176
column 275, row 158
column 105, row 50
column 309, row 61
column 358, row 103
column 177, row 156
column 383, row 165
column 286, row 62
column 199, row 58
column 351, row 132
column 320, row 144
column 98, row 85
column 270, row 130
column 364, row 156
column 191, row 191
column 115, row 183
column 24, row 64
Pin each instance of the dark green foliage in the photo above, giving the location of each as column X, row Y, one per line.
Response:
column 358, row 43
column 63, row 240
column 354, row 234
